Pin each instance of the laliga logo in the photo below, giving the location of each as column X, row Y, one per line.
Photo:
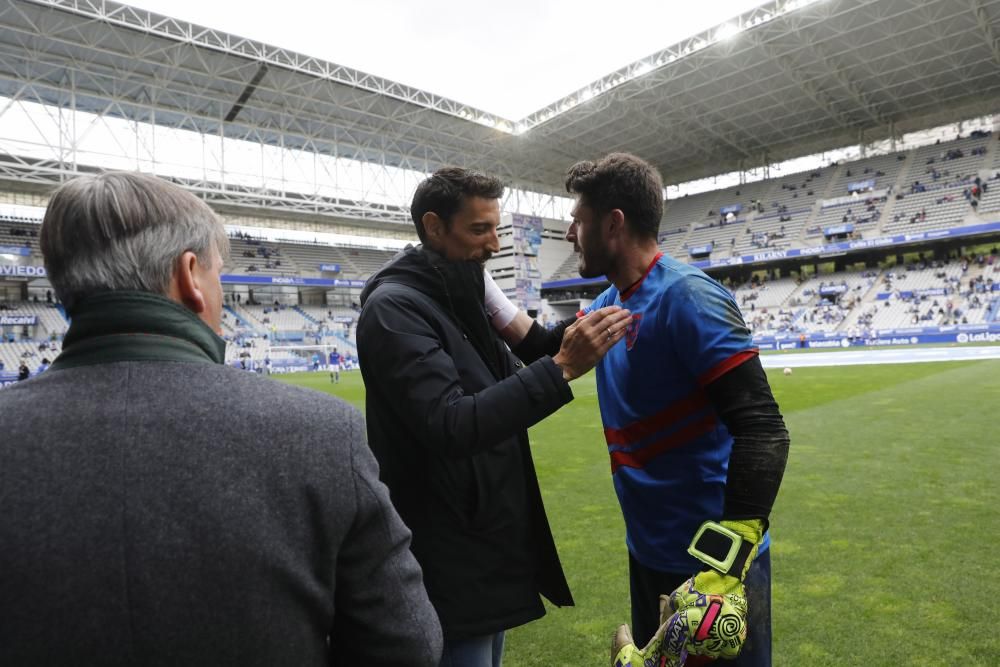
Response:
column 962, row 338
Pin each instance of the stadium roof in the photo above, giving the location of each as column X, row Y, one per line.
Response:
column 509, row 58
column 790, row 78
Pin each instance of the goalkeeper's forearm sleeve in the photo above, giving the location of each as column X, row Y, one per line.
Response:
column 538, row 342
column 742, row 398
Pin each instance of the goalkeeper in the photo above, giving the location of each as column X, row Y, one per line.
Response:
column 692, row 429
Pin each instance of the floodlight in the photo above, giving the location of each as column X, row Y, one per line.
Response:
column 727, row 30
column 799, row 4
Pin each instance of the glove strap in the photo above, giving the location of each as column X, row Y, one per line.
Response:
column 722, row 549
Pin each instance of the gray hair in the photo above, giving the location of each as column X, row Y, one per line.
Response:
column 124, row 231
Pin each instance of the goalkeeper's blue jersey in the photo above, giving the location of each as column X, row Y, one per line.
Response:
column 669, row 449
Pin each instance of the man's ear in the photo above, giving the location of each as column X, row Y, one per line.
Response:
column 186, row 286
column 433, row 225
column 616, row 225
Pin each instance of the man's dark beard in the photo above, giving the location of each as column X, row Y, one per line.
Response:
column 592, row 270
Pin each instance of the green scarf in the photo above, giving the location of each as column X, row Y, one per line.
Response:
column 136, row 326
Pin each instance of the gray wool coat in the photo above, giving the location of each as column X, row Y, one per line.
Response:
column 183, row 513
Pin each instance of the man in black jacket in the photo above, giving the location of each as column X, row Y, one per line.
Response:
column 448, row 411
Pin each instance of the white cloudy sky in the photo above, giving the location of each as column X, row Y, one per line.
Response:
column 509, row 58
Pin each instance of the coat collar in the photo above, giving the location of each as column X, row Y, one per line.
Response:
column 137, row 326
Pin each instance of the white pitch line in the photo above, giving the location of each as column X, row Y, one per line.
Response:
column 863, row 357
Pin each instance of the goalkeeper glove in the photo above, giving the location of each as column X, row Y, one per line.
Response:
column 665, row 649
column 712, row 606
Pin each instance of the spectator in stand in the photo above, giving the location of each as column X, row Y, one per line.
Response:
column 22, row 371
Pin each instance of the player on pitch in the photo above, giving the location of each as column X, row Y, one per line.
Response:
column 697, row 444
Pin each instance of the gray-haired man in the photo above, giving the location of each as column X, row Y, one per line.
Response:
column 159, row 508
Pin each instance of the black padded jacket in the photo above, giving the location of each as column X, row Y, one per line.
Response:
column 448, row 408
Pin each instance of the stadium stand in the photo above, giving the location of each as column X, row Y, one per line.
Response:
column 928, row 188
column 678, row 216
column 274, row 318
column 555, row 254
column 50, row 317
column 990, row 177
column 254, row 256
column 795, row 209
column 12, row 354
column 567, row 269
column 309, row 257
column 852, row 302
column 366, row 261
column 790, row 204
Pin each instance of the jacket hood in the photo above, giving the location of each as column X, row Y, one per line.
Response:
column 411, row 267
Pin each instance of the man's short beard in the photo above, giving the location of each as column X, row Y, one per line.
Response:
column 590, row 269
column 597, row 266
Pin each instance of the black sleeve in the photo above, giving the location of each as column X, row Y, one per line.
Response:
column 539, row 342
column 402, row 358
column 743, row 400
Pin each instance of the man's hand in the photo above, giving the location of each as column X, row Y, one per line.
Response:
column 711, row 612
column 588, row 339
column 665, row 649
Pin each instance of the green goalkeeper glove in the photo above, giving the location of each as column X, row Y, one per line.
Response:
column 712, row 606
column 665, row 649
column 709, row 610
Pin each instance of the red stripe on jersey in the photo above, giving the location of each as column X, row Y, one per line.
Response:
column 635, row 286
column 658, row 421
column 640, row 457
column 725, row 366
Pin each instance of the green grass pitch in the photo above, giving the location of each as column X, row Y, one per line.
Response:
column 885, row 534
